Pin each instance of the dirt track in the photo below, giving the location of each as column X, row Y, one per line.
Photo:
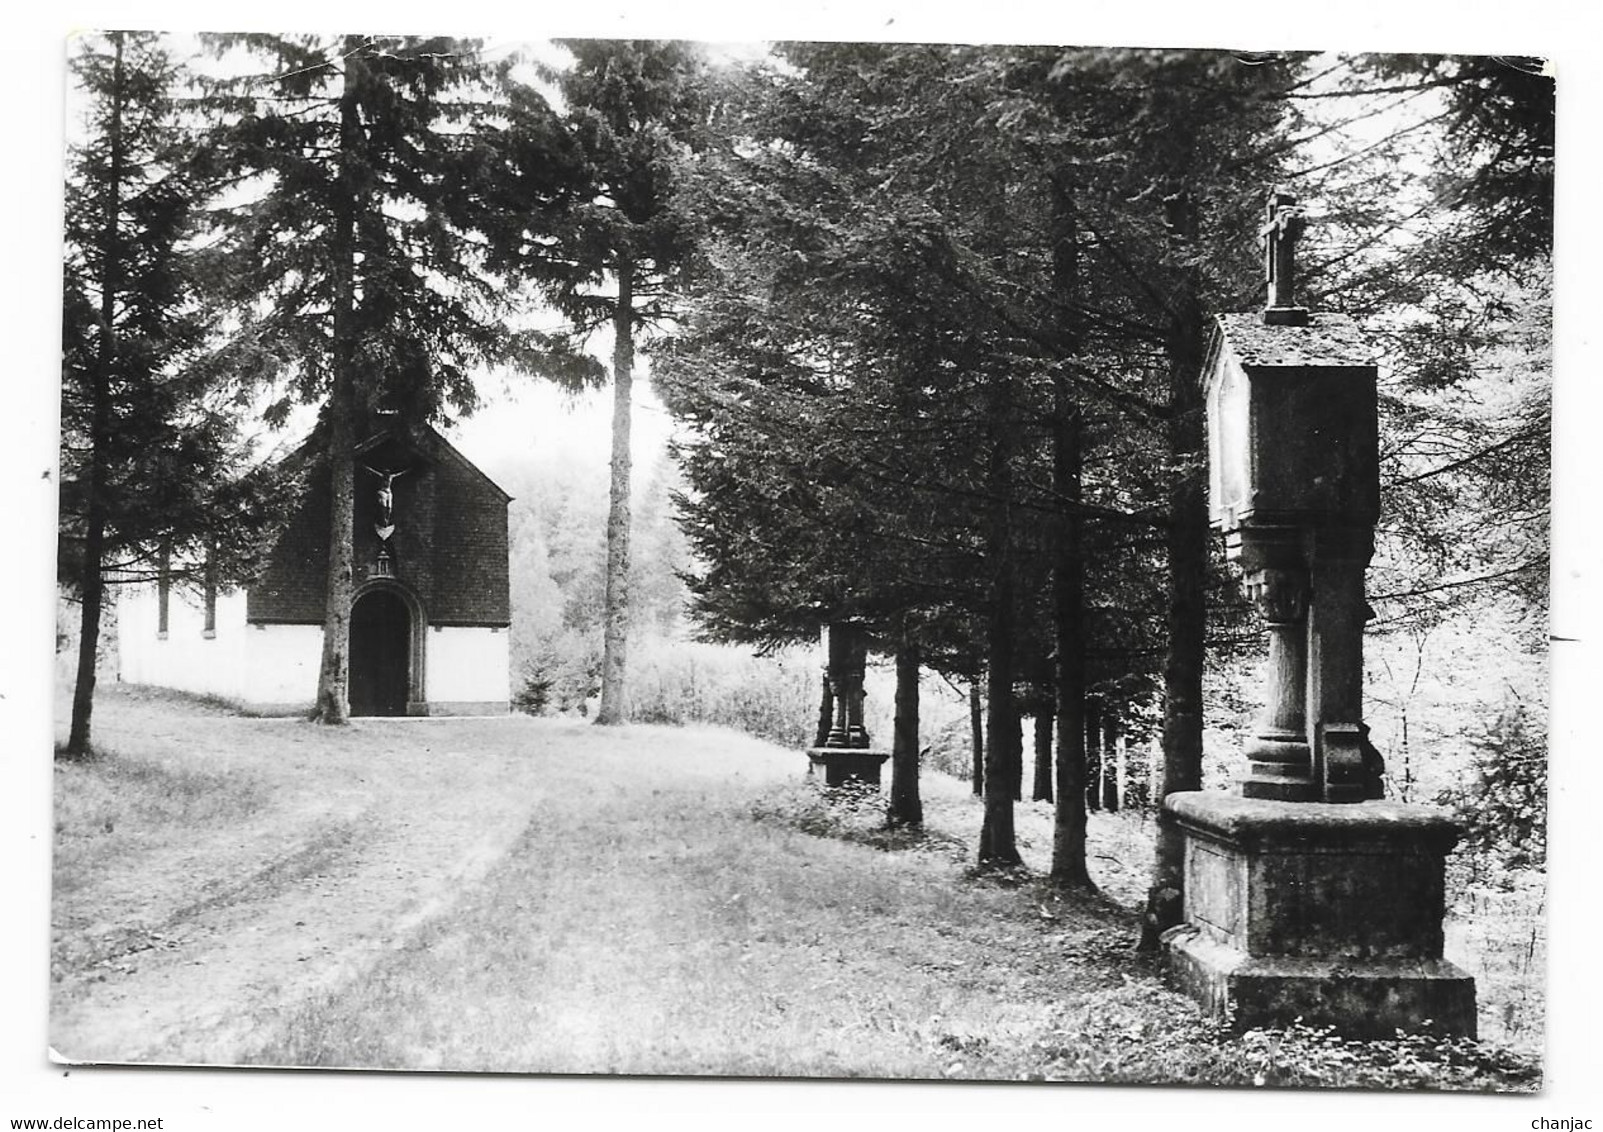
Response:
column 176, row 953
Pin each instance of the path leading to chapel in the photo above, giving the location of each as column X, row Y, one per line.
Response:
column 178, row 955
column 524, row 895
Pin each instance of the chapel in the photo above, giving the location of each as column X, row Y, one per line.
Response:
column 430, row 616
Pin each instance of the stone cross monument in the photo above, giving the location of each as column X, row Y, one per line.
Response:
column 1306, row 895
column 1283, row 224
column 842, row 751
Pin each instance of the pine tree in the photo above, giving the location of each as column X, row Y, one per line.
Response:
column 356, row 284
column 888, row 299
column 152, row 466
column 618, row 240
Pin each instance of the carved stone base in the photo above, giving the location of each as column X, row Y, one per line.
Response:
column 840, row 765
column 1327, row 912
column 1285, row 316
column 1281, row 772
column 1371, row 999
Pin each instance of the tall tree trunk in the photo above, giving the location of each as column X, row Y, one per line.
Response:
column 333, row 692
column 1015, row 743
column 1110, row 766
column 1068, row 600
column 1121, row 773
column 1093, row 757
column 976, row 721
column 333, row 679
column 92, row 583
column 1188, row 563
column 615, row 647
column 998, row 843
column 906, row 808
column 1042, row 791
column 1068, row 556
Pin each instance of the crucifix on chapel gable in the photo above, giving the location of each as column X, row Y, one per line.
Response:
column 384, row 527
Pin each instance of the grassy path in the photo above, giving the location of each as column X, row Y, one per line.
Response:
column 525, row 895
column 656, row 928
column 217, row 869
column 529, row 895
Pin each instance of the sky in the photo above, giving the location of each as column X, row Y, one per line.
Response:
column 1572, row 32
column 529, row 418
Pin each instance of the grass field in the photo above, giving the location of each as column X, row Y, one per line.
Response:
column 529, row 895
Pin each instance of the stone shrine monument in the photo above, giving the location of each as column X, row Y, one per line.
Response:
column 841, row 749
column 1306, row 895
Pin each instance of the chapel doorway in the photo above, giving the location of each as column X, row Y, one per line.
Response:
column 381, row 661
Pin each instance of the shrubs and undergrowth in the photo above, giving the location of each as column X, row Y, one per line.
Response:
column 1503, row 800
column 1303, row 1057
column 684, row 682
column 852, row 812
column 679, row 682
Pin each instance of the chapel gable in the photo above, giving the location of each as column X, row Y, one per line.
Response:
column 444, row 537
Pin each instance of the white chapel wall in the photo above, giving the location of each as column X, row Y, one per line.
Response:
column 467, row 668
column 186, row 658
column 283, row 662
column 257, row 665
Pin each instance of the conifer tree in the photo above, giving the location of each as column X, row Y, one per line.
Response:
column 357, row 286
column 607, row 247
column 152, row 467
column 874, row 361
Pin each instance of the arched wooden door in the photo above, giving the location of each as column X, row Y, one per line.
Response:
column 381, row 659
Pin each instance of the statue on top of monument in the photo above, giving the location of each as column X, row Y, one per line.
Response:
column 1282, row 228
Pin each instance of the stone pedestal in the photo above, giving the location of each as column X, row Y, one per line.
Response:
column 840, row 765
column 1327, row 912
column 842, row 752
